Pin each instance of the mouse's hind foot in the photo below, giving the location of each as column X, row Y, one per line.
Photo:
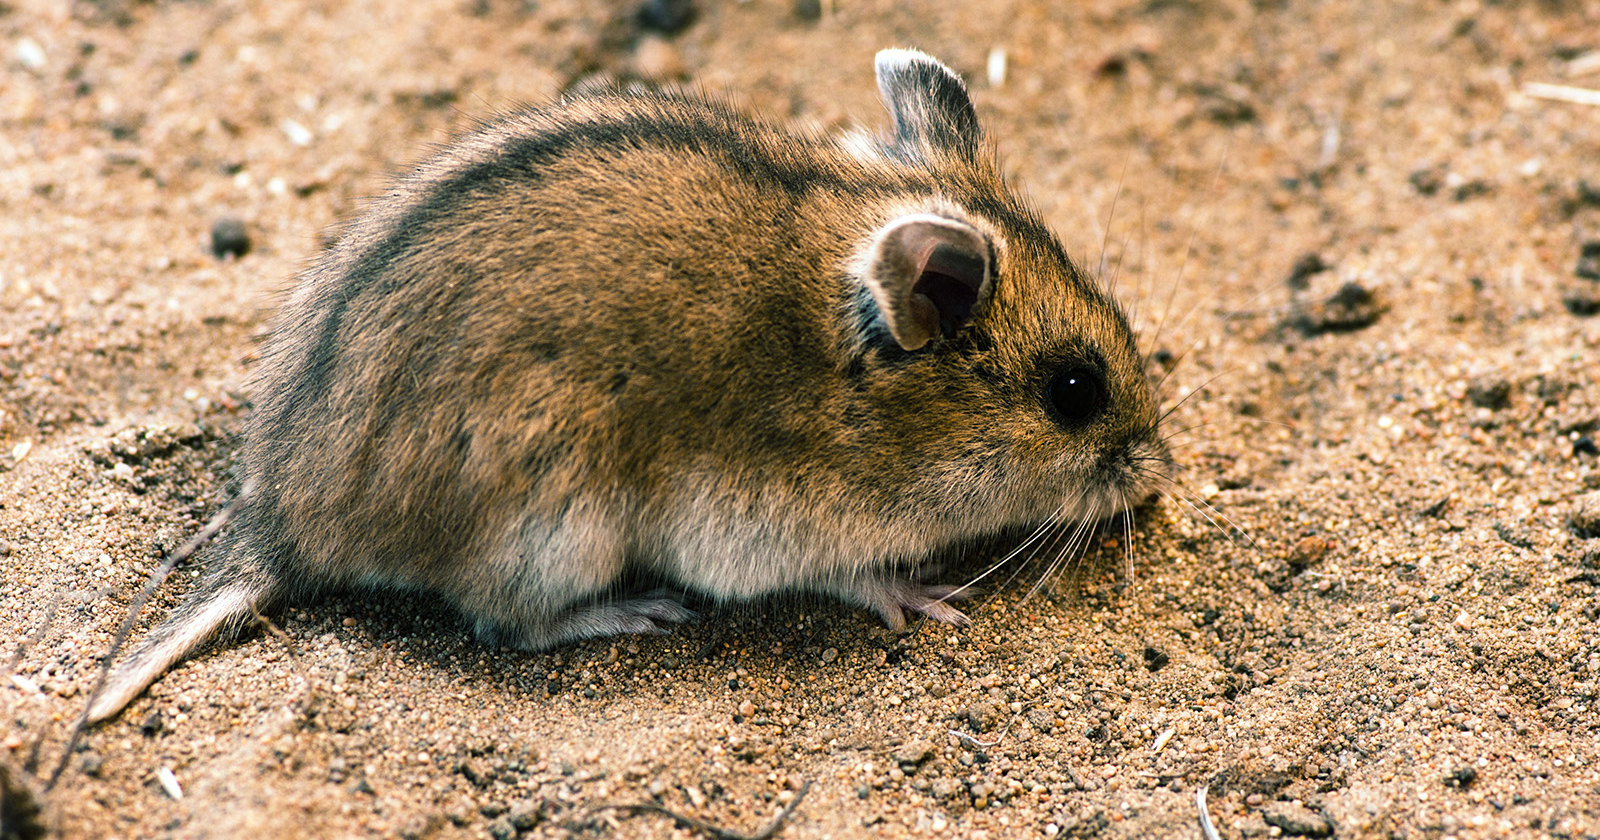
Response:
column 644, row 614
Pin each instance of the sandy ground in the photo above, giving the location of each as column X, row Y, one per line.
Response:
column 1351, row 225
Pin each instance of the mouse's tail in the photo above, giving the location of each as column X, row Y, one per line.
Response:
column 221, row 605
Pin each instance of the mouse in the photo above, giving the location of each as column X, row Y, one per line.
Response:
column 640, row 331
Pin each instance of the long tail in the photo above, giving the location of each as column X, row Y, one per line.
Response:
column 233, row 589
column 218, row 609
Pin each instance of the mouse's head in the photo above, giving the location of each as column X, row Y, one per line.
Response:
column 1005, row 374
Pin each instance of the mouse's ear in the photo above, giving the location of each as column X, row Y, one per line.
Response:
column 927, row 274
column 929, row 104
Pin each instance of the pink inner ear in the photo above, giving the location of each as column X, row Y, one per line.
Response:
column 950, row 281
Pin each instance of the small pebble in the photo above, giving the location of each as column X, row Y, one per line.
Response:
column 229, row 238
column 29, row 54
column 1461, row 778
column 1304, row 268
column 1589, row 261
column 169, row 782
column 1427, row 180
column 417, row 827
column 669, row 16
column 1582, row 446
column 1307, row 551
column 1297, row 820
column 1582, row 302
column 297, row 133
column 1490, row 392
column 1585, row 517
column 502, row 829
column 995, row 68
column 1352, row 307
column 913, row 752
column 524, row 815
column 828, row 655
column 91, row 764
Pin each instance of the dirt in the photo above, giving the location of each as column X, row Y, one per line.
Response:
column 1358, row 246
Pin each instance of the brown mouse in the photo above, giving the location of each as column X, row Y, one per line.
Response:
column 641, row 331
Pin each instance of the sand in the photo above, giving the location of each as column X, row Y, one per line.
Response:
column 1354, row 231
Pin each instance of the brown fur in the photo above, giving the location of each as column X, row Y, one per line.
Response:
column 640, row 329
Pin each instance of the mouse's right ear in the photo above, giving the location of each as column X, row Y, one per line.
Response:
column 929, row 104
column 927, row 275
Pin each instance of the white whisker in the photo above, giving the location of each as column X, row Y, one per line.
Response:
column 1033, row 537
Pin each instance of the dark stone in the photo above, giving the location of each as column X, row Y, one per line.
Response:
column 1461, row 778
column 1297, row 820
column 1584, row 194
column 669, row 16
column 502, row 829
column 1489, row 392
column 1352, row 307
column 1583, row 303
column 1472, row 189
column 229, row 238
column 1155, row 659
column 1589, row 260
column 1427, row 180
column 1304, row 268
column 808, row 10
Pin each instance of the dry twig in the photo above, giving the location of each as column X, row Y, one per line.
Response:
column 1562, row 93
column 1207, row 830
column 717, row 832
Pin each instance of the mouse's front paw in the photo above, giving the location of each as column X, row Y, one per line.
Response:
column 891, row 597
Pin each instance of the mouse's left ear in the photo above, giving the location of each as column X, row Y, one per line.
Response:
column 929, row 104
column 927, row 274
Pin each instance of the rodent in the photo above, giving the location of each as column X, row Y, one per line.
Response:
column 642, row 331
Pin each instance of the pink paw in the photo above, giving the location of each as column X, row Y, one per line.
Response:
column 895, row 597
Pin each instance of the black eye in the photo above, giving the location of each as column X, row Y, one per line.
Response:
column 1078, row 394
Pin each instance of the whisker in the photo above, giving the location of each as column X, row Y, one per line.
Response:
column 1077, row 541
column 1189, row 396
column 1052, row 548
column 1127, row 534
column 1037, row 532
column 1225, row 316
column 1188, row 251
column 1206, row 511
column 1105, row 233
